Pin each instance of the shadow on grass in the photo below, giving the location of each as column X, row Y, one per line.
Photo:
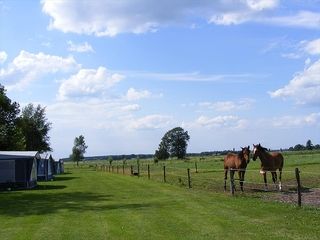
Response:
column 28, row 203
column 47, row 187
column 64, row 178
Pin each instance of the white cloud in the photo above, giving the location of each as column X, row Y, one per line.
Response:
column 304, row 88
column 90, row 114
column 131, row 107
column 242, row 11
column 194, row 76
column 154, row 121
column 313, row 47
column 82, row 47
column 109, row 18
column 303, row 19
column 259, row 5
column 28, row 67
column 221, row 122
column 133, row 94
column 3, row 57
column 227, row 106
column 313, row 119
column 88, row 82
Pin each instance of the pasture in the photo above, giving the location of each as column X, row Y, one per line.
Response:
column 89, row 204
column 207, row 174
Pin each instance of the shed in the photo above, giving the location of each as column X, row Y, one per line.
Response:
column 18, row 169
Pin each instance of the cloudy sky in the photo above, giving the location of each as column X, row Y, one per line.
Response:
column 122, row 73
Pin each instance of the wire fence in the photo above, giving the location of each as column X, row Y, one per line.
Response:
column 297, row 185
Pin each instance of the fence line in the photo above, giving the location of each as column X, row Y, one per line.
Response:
column 190, row 178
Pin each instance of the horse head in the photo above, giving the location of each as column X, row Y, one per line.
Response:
column 257, row 150
column 246, row 153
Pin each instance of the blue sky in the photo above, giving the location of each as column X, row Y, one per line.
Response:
column 122, row 73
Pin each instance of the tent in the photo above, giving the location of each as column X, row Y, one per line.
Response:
column 58, row 167
column 18, row 169
column 45, row 169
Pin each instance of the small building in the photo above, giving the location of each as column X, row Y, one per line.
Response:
column 18, row 169
column 45, row 168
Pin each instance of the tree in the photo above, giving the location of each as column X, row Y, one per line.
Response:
column 309, row 145
column 11, row 137
column 35, row 128
column 79, row 149
column 299, row 147
column 174, row 142
column 162, row 152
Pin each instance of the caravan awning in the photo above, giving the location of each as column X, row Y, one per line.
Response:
column 10, row 155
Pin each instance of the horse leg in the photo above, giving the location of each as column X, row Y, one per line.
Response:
column 241, row 179
column 265, row 181
column 225, row 179
column 280, row 185
column 274, row 178
column 232, row 186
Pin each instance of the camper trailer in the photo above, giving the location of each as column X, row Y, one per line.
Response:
column 18, row 169
column 45, row 168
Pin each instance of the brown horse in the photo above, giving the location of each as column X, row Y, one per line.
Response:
column 236, row 162
column 269, row 162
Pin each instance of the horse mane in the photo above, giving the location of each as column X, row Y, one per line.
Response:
column 264, row 151
column 262, row 148
column 240, row 155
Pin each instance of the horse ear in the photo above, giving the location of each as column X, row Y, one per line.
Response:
column 248, row 146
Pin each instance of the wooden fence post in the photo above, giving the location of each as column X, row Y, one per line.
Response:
column 196, row 165
column 148, row 171
column 131, row 169
column 164, row 174
column 117, row 168
column 138, row 170
column 123, row 169
column 189, row 178
column 298, row 186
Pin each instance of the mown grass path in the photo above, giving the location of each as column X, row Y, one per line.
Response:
column 85, row 204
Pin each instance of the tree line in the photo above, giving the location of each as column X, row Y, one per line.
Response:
column 23, row 130
column 309, row 146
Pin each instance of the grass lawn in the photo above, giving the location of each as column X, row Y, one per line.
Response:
column 85, row 204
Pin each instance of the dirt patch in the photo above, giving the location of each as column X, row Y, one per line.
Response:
column 309, row 197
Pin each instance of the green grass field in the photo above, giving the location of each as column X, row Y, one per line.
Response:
column 89, row 204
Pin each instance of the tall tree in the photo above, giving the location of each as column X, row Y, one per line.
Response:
column 309, row 145
column 35, row 128
column 175, row 142
column 11, row 137
column 79, row 149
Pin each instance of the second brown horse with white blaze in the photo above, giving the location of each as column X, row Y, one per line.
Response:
column 269, row 162
column 236, row 162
